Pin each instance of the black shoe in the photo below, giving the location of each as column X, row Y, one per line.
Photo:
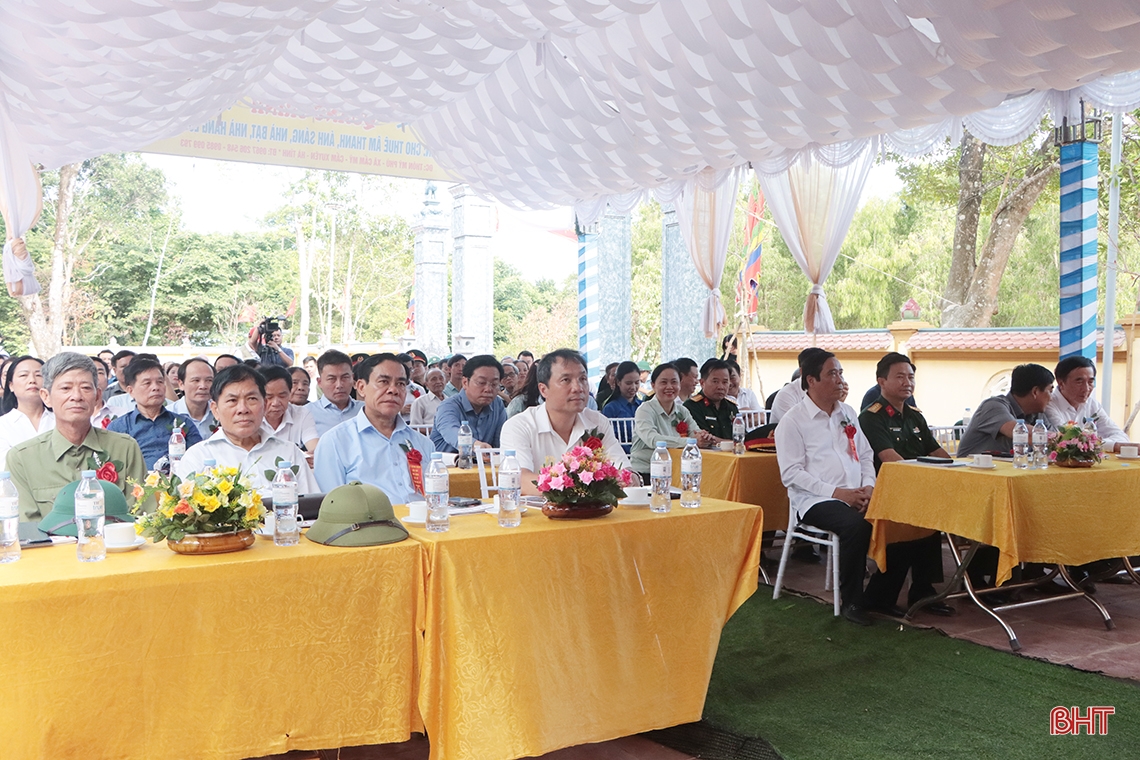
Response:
column 856, row 615
column 940, row 608
column 890, row 610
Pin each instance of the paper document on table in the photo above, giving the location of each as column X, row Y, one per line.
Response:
column 940, row 465
column 472, row 510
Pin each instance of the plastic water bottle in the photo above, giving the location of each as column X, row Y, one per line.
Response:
column 89, row 518
column 739, row 430
column 466, row 447
column 176, row 448
column 510, row 480
column 1040, row 441
column 9, row 520
column 691, row 475
column 969, row 415
column 1021, row 446
column 437, row 490
column 661, row 478
column 286, row 532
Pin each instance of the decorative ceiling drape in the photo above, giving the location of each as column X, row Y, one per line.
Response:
column 705, row 219
column 812, row 203
column 20, row 203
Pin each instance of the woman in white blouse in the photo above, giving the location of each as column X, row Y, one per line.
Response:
column 24, row 413
column 661, row 418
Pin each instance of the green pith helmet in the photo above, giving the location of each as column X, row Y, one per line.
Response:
column 60, row 521
column 356, row 514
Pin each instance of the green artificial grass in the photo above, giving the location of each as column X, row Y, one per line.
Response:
column 816, row 686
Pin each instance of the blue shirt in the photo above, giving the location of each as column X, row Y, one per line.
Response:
column 356, row 450
column 617, row 407
column 327, row 416
column 485, row 425
column 153, row 436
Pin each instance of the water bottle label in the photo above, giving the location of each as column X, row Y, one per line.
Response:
column 509, row 481
column 690, row 467
column 660, row 469
column 466, row 440
column 9, row 507
column 284, row 493
column 435, row 484
column 88, row 508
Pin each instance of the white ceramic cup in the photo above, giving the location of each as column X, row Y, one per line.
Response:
column 726, row 445
column 417, row 511
column 983, row 460
column 1130, row 452
column 450, row 460
column 119, row 534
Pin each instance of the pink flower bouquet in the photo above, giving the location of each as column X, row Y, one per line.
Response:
column 1072, row 444
column 583, row 476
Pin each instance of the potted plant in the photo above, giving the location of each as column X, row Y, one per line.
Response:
column 1074, row 446
column 583, row 482
column 211, row 512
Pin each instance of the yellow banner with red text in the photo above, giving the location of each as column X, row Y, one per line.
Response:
column 271, row 136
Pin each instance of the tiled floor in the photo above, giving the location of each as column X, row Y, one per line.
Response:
column 1070, row 632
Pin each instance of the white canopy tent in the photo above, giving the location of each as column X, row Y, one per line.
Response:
column 543, row 102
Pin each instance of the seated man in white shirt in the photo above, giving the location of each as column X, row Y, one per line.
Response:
column 828, row 468
column 283, row 419
column 237, row 399
column 549, row 430
column 1073, row 400
column 423, row 408
column 792, row 393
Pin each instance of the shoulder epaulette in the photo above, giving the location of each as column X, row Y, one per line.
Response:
column 875, row 408
column 915, row 408
column 697, row 398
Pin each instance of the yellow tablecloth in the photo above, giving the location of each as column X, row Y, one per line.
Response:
column 562, row 632
column 1057, row 515
column 149, row 654
column 752, row 478
column 464, row 482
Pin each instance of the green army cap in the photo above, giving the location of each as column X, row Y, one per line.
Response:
column 60, row 521
column 356, row 514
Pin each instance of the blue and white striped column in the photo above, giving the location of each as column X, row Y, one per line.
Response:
column 589, row 310
column 1078, row 249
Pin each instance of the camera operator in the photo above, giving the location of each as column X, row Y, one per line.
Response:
column 265, row 343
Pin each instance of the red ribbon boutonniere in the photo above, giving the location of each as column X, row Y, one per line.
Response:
column 415, row 467
column 682, row 428
column 592, row 439
column 850, row 431
column 108, row 473
column 106, row 421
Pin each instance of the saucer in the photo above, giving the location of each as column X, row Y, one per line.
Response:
column 493, row 510
column 1121, row 456
column 973, row 466
column 411, row 520
column 116, row 549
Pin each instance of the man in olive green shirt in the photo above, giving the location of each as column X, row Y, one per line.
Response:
column 41, row 466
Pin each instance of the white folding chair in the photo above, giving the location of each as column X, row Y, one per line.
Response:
column 949, row 437
column 425, row 429
column 811, row 534
column 493, row 458
column 623, row 429
column 754, row 418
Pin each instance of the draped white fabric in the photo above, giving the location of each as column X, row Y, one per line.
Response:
column 20, row 199
column 704, row 215
column 541, row 102
column 813, row 204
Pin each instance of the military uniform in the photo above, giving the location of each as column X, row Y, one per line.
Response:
column 887, row 428
column 711, row 419
column 906, row 433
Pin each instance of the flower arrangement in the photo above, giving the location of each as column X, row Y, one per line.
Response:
column 584, row 476
column 1074, row 446
column 220, row 500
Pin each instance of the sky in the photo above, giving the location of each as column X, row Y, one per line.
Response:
column 226, row 196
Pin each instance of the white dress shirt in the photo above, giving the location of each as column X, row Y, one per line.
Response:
column 815, row 457
column 204, row 425
column 533, row 438
column 423, row 409
column 296, row 426
column 252, row 463
column 746, row 400
column 787, row 397
column 1060, row 412
column 15, row 427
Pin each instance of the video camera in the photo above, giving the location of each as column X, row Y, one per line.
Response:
column 265, row 329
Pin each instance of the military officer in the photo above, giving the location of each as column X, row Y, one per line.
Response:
column 711, row 408
column 897, row 430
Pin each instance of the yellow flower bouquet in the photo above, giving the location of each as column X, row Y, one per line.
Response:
column 220, row 500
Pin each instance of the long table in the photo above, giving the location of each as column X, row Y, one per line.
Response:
column 150, row 654
column 563, row 632
column 751, row 478
column 1055, row 516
